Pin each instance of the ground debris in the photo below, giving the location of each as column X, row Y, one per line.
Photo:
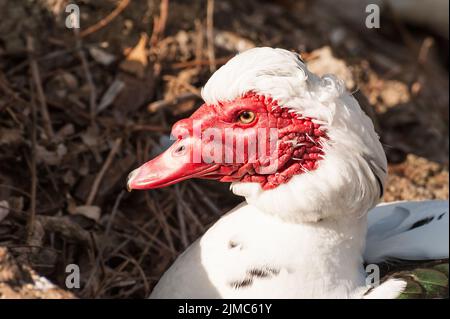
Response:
column 20, row 282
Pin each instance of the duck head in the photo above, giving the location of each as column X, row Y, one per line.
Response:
column 294, row 144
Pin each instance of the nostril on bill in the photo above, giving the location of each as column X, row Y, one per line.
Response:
column 180, row 150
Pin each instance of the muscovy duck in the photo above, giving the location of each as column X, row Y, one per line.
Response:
column 310, row 166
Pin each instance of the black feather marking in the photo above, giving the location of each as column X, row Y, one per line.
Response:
column 246, row 282
column 264, row 272
column 232, row 244
column 258, row 273
column 441, row 215
column 421, row 222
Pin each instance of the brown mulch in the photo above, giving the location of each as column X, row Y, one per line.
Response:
column 80, row 110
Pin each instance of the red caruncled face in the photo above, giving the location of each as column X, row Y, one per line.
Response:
column 249, row 139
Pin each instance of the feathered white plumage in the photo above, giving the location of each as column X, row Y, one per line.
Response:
column 305, row 238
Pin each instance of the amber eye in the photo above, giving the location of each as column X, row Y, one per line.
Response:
column 246, row 117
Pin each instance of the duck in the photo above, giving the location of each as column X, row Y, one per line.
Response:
column 307, row 160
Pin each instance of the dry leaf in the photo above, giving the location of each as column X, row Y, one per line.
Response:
column 91, row 137
column 92, row 212
column 232, row 42
column 322, row 61
column 136, row 61
column 10, row 136
column 64, row 132
column 4, row 209
column 101, row 56
column 110, row 95
column 50, row 157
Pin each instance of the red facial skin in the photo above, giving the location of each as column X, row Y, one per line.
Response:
column 297, row 150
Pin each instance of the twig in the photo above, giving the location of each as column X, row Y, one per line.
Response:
column 103, row 22
column 180, row 215
column 198, row 41
column 67, row 228
column 88, row 75
column 157, row 105
column 62, row 225
column 210, row 34
column 22, row 192
column 147, row 128
column 424, row 50
column 54, row 54
column 153, row 239
column 183, row 84
column 14, row 116
column 40, row 91
column 7, row 90
column 195, row 63
column 114, row 213
column 139, row 269
column 203, row 197
column 161, row 217
column 99, row 177
column 159, row 24
column 98, row 259
column 32, row 215
column 422, row 56
column 190, row 213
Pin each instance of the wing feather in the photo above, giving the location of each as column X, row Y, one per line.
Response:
column 408, row 230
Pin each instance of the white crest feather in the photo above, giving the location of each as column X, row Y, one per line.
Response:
column 344, row 177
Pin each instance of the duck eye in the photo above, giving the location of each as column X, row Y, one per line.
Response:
column 246, row 117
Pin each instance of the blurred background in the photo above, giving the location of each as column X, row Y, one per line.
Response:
column 80, row 108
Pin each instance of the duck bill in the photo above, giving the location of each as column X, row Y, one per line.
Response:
column 170, row 167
